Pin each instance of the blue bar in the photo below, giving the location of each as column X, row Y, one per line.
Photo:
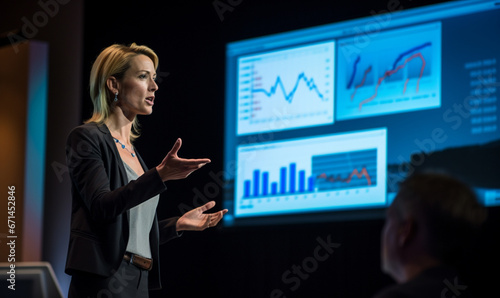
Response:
column 302, row 181
column 310, row 186
column 274, row 188
column 283, row 180
column 293, row 168
column 256, row 175
column 265, row 183
column 246, row 189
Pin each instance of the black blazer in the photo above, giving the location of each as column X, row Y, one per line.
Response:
column 101, row 195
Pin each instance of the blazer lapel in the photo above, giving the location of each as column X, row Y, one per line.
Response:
column 106, row 135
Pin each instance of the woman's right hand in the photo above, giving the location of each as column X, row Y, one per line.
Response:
column 173, row 167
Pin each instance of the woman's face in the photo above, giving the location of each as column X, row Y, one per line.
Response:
column 136, row 90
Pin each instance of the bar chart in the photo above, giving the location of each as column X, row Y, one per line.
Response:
column 332, row 171
column 290, row 181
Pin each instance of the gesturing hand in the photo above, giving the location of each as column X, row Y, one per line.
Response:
column 196, row 220
column 173, row 167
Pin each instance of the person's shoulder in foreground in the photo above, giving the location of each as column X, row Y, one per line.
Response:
column 440, row 281
column 426, row 236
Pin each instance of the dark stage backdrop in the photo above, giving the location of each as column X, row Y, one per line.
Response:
column 333, row 259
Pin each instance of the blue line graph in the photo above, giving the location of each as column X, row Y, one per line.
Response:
column 289, row 96
column 353, row 72
column 417, row 48
column 286, row 89
column 399, row 71
column 394, row 66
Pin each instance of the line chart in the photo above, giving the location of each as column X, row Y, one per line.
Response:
column 399, row 71
column 417, row 48
column 354, row 173
column 345, row 170
column 354, row 72
column 362, row 82
column 389, row 73
column 288, row 95
column 286, row 89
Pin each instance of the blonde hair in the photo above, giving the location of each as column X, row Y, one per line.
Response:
column 113, row 61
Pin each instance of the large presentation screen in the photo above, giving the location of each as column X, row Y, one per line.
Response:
column 323, row 123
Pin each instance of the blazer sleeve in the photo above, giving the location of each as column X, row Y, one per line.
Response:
column 87, row 169
column 167, row 229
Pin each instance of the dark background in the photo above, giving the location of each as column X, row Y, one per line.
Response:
column 189, row 38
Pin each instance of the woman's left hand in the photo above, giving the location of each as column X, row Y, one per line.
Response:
column 196, row 220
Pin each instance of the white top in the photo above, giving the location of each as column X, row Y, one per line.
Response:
column 140, row 219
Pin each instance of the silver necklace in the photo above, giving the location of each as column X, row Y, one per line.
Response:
column 123, row 146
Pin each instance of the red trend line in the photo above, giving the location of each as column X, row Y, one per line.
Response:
column 390, row 72
column 355, row 172
column 362, row 81
column 406, row 83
